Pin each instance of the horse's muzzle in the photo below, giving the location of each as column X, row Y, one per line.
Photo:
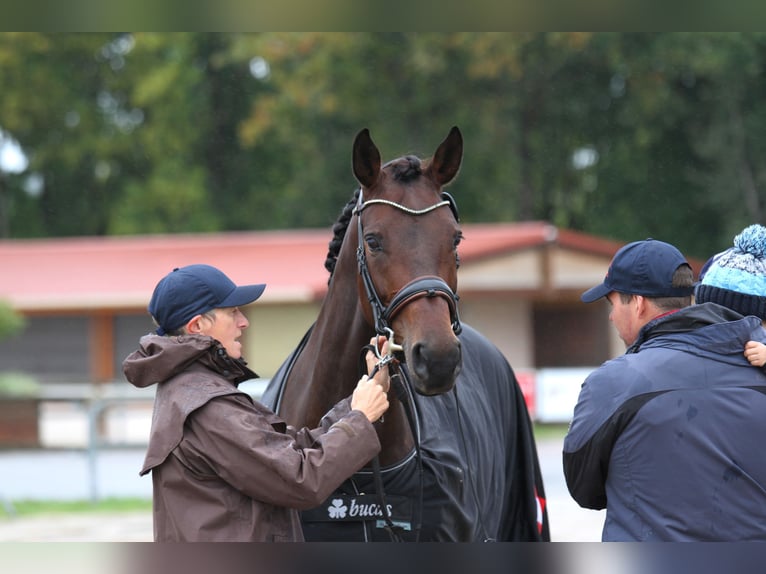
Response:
column 434, row 371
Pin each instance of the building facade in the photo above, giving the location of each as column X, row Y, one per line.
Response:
column 84, row 299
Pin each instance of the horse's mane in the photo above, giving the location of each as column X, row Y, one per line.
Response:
column 404, row 169
column 339, row 232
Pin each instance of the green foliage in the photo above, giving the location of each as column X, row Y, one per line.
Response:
column 624, row 135
column 14, row 384
column 10, row 321
column 18, row 385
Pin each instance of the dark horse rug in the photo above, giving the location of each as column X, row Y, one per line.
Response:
column 475, row 477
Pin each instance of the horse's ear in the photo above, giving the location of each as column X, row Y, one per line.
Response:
column 446, row 160
column 366, row 159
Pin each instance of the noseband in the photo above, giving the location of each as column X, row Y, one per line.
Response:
column 425, row 286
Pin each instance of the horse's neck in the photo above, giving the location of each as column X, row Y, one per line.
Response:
column 327, row 371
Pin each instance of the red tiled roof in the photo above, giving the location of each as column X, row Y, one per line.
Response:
column 121, row 272
column 486, row 240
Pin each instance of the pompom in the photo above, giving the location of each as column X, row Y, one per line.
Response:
column 752, row 240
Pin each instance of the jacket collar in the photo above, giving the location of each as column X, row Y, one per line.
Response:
column 683, row 321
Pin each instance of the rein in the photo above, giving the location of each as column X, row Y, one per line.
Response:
column 399, row 377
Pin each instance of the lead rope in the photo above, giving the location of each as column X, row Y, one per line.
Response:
column 402, row 393
column 392, row 529
column 404, row 390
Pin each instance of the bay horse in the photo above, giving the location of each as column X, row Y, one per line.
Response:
column 458, row 459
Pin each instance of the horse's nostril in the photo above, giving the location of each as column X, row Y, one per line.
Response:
column 435, row 367
column 419, row 362
column 421, row 355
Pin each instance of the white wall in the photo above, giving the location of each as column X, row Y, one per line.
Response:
column 274, row 332
column 506, row 322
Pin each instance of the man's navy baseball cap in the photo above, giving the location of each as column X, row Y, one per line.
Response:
column 642, row 268
column 195, row 289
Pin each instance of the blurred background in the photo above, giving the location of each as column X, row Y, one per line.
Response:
column 125, row 154
column 620, row 135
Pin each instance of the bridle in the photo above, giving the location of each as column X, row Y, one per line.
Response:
column 425, row 286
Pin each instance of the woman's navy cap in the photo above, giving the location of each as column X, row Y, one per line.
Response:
column 642, row 268
column 195, row 289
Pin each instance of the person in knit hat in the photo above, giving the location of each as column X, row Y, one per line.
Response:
column 667, row 436
column 736, row 278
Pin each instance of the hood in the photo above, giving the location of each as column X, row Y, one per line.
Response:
column 726, row 339
column 159, row 358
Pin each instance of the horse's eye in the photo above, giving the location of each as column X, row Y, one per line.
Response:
column 373, row 244
column 458, row 239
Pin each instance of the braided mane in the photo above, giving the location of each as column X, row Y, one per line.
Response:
column 404, row 169
column 339, row 232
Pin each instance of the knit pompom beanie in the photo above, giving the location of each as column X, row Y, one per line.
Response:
column 736, row 278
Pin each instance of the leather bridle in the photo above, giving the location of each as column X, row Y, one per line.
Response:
column 424, row 286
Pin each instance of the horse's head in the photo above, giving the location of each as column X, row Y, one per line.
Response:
column 408, row 234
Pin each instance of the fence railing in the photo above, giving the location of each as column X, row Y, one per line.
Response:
column 98, row 419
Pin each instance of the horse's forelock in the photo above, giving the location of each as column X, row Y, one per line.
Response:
column 405, row 168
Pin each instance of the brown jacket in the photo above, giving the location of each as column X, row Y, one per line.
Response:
column 224, row 467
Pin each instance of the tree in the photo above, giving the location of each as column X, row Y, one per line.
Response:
column 10, row 321
column 623, row 135
column 66, row 119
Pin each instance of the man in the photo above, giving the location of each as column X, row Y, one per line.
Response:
column 668, row 437
column 224, row 467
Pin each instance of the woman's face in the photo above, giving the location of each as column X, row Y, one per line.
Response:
column 227, row 328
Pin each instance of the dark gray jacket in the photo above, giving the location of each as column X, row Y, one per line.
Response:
column 669, row 437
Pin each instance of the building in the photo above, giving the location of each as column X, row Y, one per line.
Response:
column 84, row 299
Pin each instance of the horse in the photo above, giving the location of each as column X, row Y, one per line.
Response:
column 458, row 461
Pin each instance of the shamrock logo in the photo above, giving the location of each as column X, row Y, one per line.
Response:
column 337, row 510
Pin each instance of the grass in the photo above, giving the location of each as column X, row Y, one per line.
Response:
column 544, row 431
column 35, row 507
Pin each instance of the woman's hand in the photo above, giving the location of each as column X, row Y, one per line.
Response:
column 370, row 395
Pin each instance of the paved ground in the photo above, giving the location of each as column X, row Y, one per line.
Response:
column 569, row 522
column 67, row 475
column 79, row 527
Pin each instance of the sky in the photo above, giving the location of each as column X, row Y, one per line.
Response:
column 12, row 158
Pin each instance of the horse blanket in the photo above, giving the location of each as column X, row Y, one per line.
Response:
column 481, row 477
